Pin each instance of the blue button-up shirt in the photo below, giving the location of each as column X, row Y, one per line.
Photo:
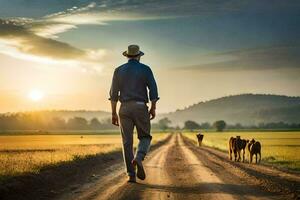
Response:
column 130, row 82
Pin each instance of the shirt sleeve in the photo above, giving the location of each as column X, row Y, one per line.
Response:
column 151, row 84
column 114, row 89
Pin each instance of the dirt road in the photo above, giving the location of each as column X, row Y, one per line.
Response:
column 180, row 170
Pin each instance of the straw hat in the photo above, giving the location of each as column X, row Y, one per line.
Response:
column 133, row 51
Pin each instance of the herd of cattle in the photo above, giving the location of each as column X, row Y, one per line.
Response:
column 238, row 146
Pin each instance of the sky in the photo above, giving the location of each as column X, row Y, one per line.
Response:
column 61, row 54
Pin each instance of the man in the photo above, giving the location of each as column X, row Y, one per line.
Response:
column 129, row 86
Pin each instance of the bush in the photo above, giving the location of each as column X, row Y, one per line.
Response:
column 220, row 125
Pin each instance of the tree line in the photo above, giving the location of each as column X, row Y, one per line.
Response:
column 221, row 125
column 164, row 124
column 40, row 122
column 34, row 121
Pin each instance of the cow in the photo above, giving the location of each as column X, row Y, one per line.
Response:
column 236, row 145
column 254, row 148
column 200, row 138
column 232, row 148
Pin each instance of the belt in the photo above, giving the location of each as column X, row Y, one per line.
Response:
column 134, row 102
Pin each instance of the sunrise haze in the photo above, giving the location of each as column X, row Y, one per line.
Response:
column 58, row 55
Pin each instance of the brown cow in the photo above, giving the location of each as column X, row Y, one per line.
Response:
column 254, row 148
column 241, row 146
column 200, row 138
column 236, row 145
column 232, row 148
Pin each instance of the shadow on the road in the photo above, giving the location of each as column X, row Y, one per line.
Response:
column 201, row 188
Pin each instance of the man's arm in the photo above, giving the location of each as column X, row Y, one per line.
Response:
column 114, row 97
column 153, row 94
column 152, row 110
column 114, row 117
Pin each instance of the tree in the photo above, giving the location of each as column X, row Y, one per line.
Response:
column 95, row 124
column 205, row 125
column 220, row 125
column 191, row 125
column 77, row 123
column 238, row 126
column 57, row 123
column 163, row 123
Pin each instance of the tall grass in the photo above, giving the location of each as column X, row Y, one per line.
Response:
column 20, row 154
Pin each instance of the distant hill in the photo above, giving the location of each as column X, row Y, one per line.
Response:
column 247, row 109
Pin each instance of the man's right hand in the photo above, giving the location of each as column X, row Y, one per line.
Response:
column 115, row 119
column 152, row 113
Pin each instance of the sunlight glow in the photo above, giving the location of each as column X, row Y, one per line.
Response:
column 35, row 95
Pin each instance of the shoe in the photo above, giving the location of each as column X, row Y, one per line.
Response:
column 131, row 179
column 140, row 169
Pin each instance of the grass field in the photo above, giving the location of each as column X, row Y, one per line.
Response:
column 280, row 148
column 29, row 153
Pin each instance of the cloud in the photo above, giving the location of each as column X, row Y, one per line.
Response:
column 31, row 8
column 274, row 57
column 21, row 42
column 27, row 42
column 51, row 25
column 50, row 30
column 36, row 38
column 104, row 12
column 38, row 8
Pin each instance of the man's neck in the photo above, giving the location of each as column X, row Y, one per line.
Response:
column 133, row 60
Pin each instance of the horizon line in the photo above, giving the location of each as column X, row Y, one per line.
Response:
column 90, row 110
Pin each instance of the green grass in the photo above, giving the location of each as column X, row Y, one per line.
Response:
column 279, row 148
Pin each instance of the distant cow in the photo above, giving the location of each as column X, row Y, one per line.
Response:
column 200, row 138
column 254, row 148
column 236, row 145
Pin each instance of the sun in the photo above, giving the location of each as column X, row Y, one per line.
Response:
column 35, row 95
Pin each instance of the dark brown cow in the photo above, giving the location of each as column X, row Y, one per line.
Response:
column 241, row 143
column 236, row 145
column 200, row 138
column 232, row 148
column 254, row 148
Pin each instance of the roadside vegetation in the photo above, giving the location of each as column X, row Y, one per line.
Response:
column 29, row 153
